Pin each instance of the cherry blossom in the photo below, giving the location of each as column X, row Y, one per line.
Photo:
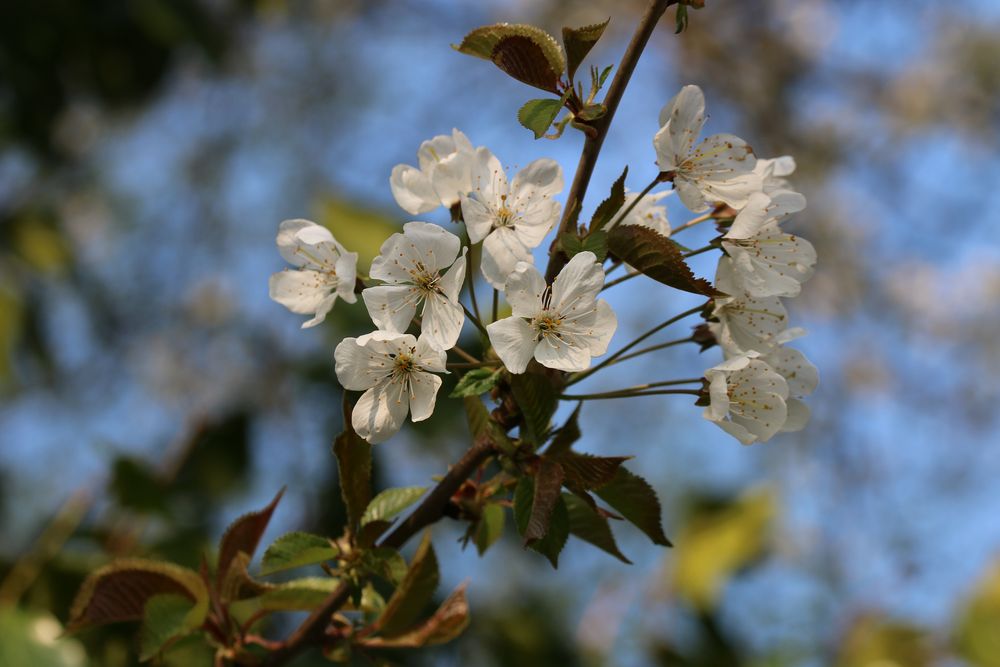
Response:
column 744, row 322
column 444, row 175
column 747, row 398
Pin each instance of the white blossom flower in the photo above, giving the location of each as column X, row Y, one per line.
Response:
column 747, row 398
column 720, row 168
column 773, row 171
column 766, row 260
column 802, row 378
column 325, row 270
column 648, row 212
column 562, row 326
column 444, row 175
column 745, row 322
column 510, row 219
column 396, row 372
column 411, row 266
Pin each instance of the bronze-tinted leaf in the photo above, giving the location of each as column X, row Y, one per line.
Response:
column 447, row 623
column 548, row 482
column 606, row 209
column 354, row 465
column 525, row 52
column 657, row 257
column 587, row 471
column 579, row 42
column 637, row 501
column 590, row 526
column 243, row 535
column 412, row 594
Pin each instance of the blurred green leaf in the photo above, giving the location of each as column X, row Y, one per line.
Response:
column 296, row 549
column 490, row 527
column 413, row 594
column 354, row 465
column 243, row 535
column 136, row 486
column 167, row 618
column 386, row 563
column 391, row 502
column 538, row 115
column 579, row 42
column 591, row 527
column 537, row 397
column 977, row 630
column 874, row 642
column 447, row 623
column 476, row 382
column 296, row 595
column 35, row 640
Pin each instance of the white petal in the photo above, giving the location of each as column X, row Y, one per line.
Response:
column 452, row 177
column 578, row 284
column 347, row 276
column 431, row 244
column 423, row 394
column 738, row 431
column 690, row 194
column 478, row 217
column 412, row 190
column 524, row 289
column 681, row 121
column 359, row 368
column 451, row 282
column 562, row 354
column 751, row 218
column 542, row 178
column 535, row 221
column 802, row 377
column 502, row 250
column 296, row 239
column 647, row 213
column 489, row 180
column 300, row 290
column 513, row 340
column 718, row 393
column 391, row 307
column 429, row 357
column 798, row 416
column 602, row 329
column 434, row 150
column 380, row 412
column 442, row 321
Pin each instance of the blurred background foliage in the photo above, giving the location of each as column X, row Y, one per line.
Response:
column 151, row 392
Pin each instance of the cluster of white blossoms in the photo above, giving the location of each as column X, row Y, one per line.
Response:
column 753, row 394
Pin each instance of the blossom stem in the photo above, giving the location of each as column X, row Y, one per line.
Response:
column 610, row 360
column 653, row 348
column 627, row 394
column 475, row 320
column 592, row 144
column 471, row 364
column 635, row 202
column 693, row 221
column 698, row 251
column 465, row 355
column 496, row 304
column 471, row 282
column 644, row 387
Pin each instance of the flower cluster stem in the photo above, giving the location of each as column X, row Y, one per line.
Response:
column 628, row 394
column 635, row 202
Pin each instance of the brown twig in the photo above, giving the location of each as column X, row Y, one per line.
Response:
column 592, row 144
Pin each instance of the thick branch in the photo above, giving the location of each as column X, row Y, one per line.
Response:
column 592, row 144
column 429, row 511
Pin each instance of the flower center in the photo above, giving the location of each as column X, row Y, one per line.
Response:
column 505, row 215
column 402, row 365
column 547, row 324
column 426, row 280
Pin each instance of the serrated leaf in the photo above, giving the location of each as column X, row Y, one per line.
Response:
column 538, row 115
column 595, row 242
column 579, row 42
column 391, row 502
column 386, row 563
column 476, row 382
column 413, row 594
column 166, row 618
column 296, row 549
column 606, row 209
column 587, row 471
column 568, row 434
column 489, row 527
column 657, row 257
column 555, row 538
column 296, row 595
column 591, row 527
column 354, row 466
column 481, row 426
column 592, row 112
column 527, row 53
column 636, row 500
column 548, row 482
column 119, row 591
column 538, row 399
column 243, row 536
column 604, row 75
column 447, row 623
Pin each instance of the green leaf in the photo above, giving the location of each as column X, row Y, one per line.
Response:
column 243, row 536
column 447, row 623
column 538, row 399
column 595, row 242
column 975, row 633
column 558, row 531
column 636, row 500
column 136, row 486
column 167, row 618
column 587, row 471
column 592, row 112
column 527, row 53
column 296, row 595
column 384, row 562
column 476, row 382
column 538, row 115
column 296, row 549
column 548, row 482
column 657, row 257
column 391, row 502
column 606, row 209
column 682, row 19
column 566, row 435
column 36, row 639
column 413, row 594
column 354, row 465
column 490, row 527
column 579, row 42
column 481, row 426
column 604, row 75
column 119, row 591
column 591, row 527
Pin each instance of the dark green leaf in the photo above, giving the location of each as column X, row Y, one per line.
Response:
column 657, row 257
column 296, row 595
column 538, row 116
column 587, row 471
column 591, row 527
column 636, row 500
column 413, row 593
column 558, row 531
column 682, row 19
column 243, row 536
column 592, row 112
column 579, row 42
column 384, row 562
column 354, row 465
column 167, row 618
column 369, row 533
column 481, row 426
column 604, row 75
column 537, row 398
column 548, row 482
column 595, row 242
column 295, row 550
column 567, row 435
column 391, row 502
column 119, row 591
column 606, row 209
column 476, row 382
column 136, row 486
column 490, row 527
column 447, row 623
column 527, row 53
